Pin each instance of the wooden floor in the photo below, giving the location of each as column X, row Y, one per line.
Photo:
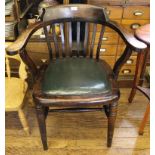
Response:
column 81, row 133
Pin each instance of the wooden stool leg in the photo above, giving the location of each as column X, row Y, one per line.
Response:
column 23, row 121
column 139, row 64
column 143, row 123
column 132, row 94
column 144, row 65
column 42, row 125
column 111, row 122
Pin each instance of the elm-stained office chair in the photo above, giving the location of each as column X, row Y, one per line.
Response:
column 74, row 78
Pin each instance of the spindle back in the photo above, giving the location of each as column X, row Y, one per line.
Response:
column 68, row 27
column 75, row 30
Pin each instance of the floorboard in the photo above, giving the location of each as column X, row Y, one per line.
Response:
column 81, row 133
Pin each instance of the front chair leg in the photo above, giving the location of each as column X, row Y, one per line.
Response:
column 106, row 110
column 40, row 110
column 111, row 122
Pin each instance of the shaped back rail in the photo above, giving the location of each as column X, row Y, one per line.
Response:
column 64, row 16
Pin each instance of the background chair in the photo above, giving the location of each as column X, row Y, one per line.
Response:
column 74, row 78
column 15, row 90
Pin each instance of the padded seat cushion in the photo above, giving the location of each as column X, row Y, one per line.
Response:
column 75, row 76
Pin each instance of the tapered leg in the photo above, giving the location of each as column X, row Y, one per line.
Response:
column 40, row 110
column 132, row 94
column 106, row 110
column 143, row 123
column 139, row 65
column 46, row 111
column 111, row 122
column 23, row 121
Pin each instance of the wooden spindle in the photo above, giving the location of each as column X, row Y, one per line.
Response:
column 78, row 37
column 86, row 40
column 62, row 39
column 93, row 40
column 100, row 42
column 48, row 42
column 55, row 41
column 8, row 70
column 70, row 37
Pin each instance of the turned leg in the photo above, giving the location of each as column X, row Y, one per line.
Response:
column 143, row 123
column 111, row 122
column 40, row 110
column 23, row 121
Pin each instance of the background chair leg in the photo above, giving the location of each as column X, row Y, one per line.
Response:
column 111, row 122
column 139, row 65
column 23, row 121
column 132, row 95
column 145, row 118
column 40, row 110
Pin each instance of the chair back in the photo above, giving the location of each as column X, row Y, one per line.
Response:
column 88, row 23
column 22, row 69
column 74, row 30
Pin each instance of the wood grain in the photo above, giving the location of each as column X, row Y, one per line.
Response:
column 136, row 12
column 77, row 13
column 82, row 133
column 96, row 15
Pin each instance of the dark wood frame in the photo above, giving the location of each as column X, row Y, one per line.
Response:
column 108, row 100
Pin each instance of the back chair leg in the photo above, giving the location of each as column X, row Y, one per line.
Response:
column 143, row 123
column 23, row 121
column 111, row 122
column 40, row 110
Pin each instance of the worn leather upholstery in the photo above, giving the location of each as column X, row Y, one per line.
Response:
column 75, row 76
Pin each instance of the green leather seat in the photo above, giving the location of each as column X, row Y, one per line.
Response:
column 75, row 76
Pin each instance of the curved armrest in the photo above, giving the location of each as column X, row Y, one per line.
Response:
column 127, row 36
column 22, row 40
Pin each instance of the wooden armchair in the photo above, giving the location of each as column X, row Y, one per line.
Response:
column 15, row 90
column 72, row 79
